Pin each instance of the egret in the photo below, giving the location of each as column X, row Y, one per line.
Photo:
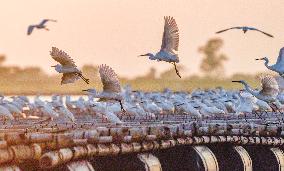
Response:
column 279, row 66
column 245, row 29
column 67, row 66
column 170, row 44
column 269, row 91
column 111, row 86
column 65, row 112
column 4, row 112
column 41, row 25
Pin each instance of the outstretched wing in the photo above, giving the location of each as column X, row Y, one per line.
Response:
column 109, row 79
column 263, row 32
column 69, row 78
column 30, row 29
column 170, row 40
column 43, row 21
column 269, row 86
column 280, row 82
column 221, row 31
column 62, row 57
column 280, row 59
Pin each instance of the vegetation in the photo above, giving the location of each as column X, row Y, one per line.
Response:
column 33, row 80
column 212, row 63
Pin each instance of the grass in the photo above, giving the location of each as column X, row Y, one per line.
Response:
column 51, row 85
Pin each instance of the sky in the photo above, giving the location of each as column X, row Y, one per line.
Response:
column 115, row 32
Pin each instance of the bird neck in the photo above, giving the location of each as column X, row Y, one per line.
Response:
column 249, row 89
column 266, row 64
column 58, row 68
column 151, row 56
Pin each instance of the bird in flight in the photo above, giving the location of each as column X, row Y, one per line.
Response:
column 111, row 86
column 269, row 89
column 170, row 44
column 67, row 67
column 279, row 66
column 245, row 29
column 41, row 25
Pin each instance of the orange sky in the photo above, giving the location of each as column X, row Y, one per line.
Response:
column 116, row 31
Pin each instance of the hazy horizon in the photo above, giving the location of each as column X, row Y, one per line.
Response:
column 116, row 32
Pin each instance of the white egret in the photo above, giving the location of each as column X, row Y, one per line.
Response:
column 170, row 44
column 279, row 66
column 111, row 86
column 269, row 91
column 41, row 25
column 67, row 67
column 245, row 29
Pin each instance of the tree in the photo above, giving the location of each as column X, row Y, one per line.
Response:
column 212, row 63
column 2, row 59
column 151, row 73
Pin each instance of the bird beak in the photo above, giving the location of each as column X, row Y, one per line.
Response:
column 259, row 59
column 236, row 81
column 180, row 104
column 53, row 66
column 86, row 90
column 143, row 55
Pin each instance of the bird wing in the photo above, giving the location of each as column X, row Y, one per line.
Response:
column 264, row 32
column 30, row 29
column 69, row 78
column 269, row 86
column 280, row 82
column 170, row 36
column 109, row 79
column 280, row 59
column 45, row 21
column 228, row 29
column 62, row 57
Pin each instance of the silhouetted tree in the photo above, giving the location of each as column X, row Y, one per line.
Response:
column 151, row 73
column 2, row 59
column 212, row 63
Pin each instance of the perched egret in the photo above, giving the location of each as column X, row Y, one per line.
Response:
column 279, row 66
column 170, row 44
column 41, row 25
column 67, row 66
column 245, row 29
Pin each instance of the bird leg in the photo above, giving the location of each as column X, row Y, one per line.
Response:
column 121, row 107
column 275, row 106
column 176, row 69
column 47, row 29
column 83, row 78
column 245, row 114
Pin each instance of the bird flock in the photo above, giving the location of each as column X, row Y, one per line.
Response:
column 116, row 104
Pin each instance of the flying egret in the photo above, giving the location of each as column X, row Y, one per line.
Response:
column 170, row 44
column 269, row 91
column 41, row 25
column 279, row 66
column 245, row 29
column 111, row 86
column 67, row 66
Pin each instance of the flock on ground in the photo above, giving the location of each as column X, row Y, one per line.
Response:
column 115, row 102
